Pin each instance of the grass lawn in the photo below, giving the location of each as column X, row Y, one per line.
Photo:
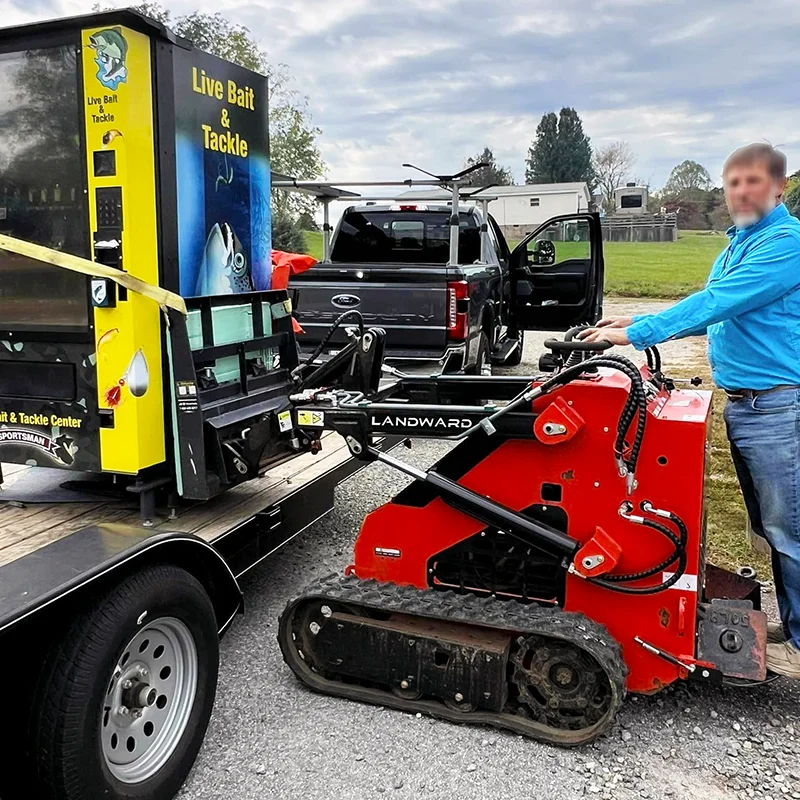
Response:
column 649, row 269
column 727, row 543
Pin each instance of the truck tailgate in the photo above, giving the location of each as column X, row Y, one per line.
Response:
column 409, row 302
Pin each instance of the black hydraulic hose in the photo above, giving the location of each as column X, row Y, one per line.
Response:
column 650, row 571
column 679, row 554
column 656, row 358
column 353, row 312
column 637, row 401
column 653, row 359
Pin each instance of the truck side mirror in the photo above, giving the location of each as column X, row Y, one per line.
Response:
column 543, row 254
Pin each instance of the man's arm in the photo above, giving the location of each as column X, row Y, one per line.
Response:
column 769, row 272
column 700, row 330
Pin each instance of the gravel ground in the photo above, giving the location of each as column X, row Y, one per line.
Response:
column 269, row 737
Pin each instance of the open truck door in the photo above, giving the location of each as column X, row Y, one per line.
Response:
column 557, row 274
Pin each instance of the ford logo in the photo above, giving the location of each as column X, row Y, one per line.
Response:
column 346, row 300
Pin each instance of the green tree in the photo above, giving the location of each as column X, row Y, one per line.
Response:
column 307, row 222
column 561, row 152
column 686, row 179
column 293, row 136
column 792, row 199
column 287, row 234
column 719, row 216
column 491, row 175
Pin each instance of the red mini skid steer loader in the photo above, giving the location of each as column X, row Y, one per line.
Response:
column 550, row 562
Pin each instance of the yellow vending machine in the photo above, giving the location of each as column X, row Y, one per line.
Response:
column 139, row 335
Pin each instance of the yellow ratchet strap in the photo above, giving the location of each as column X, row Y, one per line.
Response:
column 86, row 267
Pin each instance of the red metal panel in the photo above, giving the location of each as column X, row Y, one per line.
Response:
column 396, row 541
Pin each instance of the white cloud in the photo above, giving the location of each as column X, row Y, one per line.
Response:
column 433, row 81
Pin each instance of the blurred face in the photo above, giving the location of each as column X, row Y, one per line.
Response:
column 751, row 192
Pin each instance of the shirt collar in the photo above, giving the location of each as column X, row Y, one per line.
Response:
column 778, row 213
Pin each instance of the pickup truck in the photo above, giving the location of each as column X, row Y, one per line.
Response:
column 393, row 263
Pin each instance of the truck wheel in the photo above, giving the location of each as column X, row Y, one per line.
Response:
column 124, row 700
column 483, row 363
column 515, row 358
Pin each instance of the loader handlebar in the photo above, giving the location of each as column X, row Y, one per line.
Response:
column 576, row 344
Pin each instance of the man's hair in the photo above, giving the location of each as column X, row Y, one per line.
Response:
column 751, row 153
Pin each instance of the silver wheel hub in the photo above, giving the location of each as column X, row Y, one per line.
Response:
column 149, row 700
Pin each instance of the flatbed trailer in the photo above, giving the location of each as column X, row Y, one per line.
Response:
column 244, row 524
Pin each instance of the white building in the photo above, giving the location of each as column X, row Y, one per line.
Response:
column 518, row 210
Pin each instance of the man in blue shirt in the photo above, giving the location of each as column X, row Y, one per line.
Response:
column 750, row 310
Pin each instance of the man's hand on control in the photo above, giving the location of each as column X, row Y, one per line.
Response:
column 612, row 329
column 615, row 322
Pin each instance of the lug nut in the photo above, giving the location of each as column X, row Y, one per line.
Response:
column 123, row 711
column 143, row 672
column 127, row 683
column 459, row 697
column 404, row 684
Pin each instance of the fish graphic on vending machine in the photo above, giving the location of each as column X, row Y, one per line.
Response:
column 111, row 51
column 224, row 268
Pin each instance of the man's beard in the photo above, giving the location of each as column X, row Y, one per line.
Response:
column 749, row 218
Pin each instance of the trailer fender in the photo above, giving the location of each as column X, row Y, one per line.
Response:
column 86, row 561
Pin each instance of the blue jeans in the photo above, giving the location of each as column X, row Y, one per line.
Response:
column 764, row 432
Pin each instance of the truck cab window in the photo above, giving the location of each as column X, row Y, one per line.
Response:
column 404, row 236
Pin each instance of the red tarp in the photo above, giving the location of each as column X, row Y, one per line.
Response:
column 284, row 265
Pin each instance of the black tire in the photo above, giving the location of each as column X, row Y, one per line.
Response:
column 484, row 357
column 64, row 743
column 515, row 358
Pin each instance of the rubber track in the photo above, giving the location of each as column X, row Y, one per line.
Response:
column 483, row 612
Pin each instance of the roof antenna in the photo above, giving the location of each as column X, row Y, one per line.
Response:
column 447, row 181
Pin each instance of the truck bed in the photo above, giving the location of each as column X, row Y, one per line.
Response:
column 25, row 530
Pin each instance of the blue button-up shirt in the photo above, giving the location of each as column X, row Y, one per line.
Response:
column 750, row 308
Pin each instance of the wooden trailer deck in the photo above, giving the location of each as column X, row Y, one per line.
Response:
column 25, row 530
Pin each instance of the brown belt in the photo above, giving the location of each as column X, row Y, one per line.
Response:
column 741, row 394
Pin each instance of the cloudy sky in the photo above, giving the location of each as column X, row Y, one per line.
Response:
column 433, row 81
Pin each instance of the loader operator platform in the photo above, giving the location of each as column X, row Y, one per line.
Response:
column 750, row 310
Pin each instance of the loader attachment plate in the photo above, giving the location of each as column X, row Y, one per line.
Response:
column 733, row 636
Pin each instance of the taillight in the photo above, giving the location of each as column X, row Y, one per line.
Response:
column 457, row 305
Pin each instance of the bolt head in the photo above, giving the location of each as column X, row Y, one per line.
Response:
column 404, row 684
column 143, row 672
column 123, row 711
column 136, row 713
column 127, row 683
column 459, row 697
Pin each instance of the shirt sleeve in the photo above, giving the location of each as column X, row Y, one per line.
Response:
column 765, row 274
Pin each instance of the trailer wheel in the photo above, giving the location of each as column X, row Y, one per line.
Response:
column 124, row 700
